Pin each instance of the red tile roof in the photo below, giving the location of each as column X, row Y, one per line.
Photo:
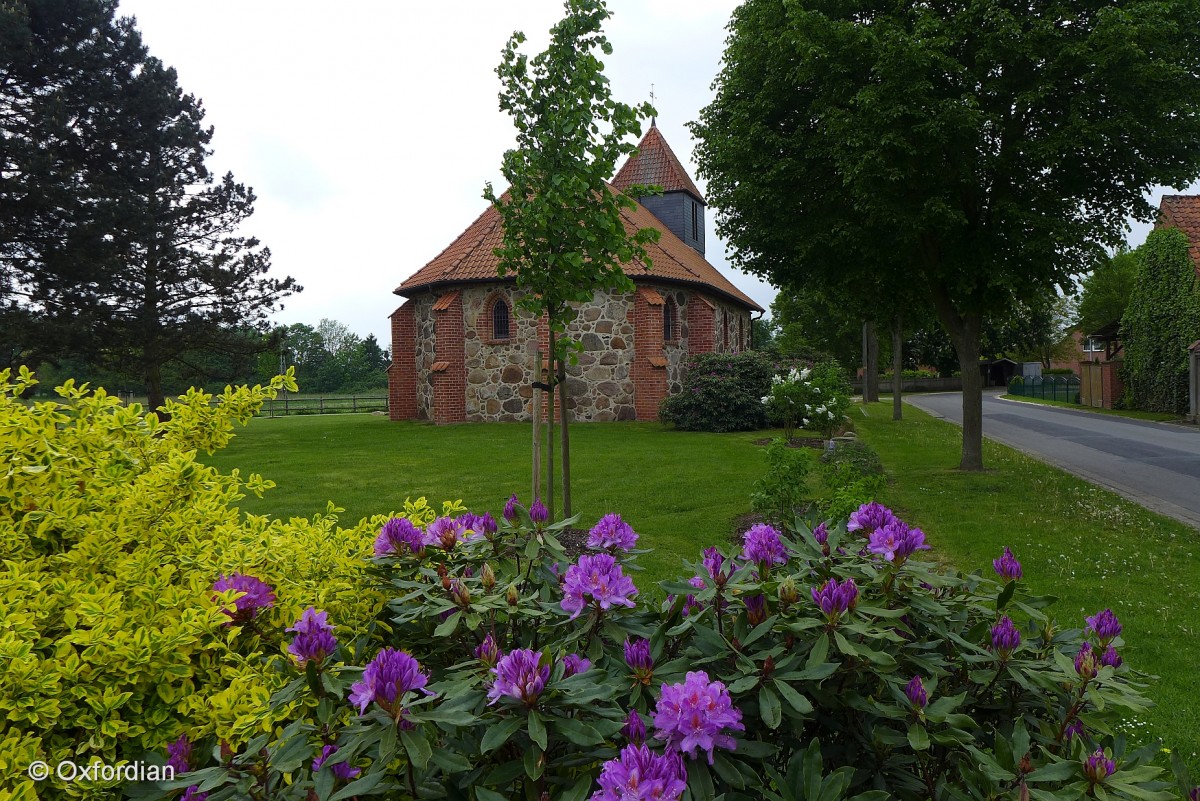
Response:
column 655, row 164
column 470, row 257
column 1183, row 212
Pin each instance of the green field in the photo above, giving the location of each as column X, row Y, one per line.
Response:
column 682, row 492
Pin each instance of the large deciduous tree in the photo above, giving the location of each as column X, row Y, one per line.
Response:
column 985, row 151
column 120, row 246
column 1105, row 293
column 564, row 237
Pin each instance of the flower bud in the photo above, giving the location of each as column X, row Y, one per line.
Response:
column 768, row 666
column 1098, row 767
column 538, row 513
column 1025, row 765
column 1086, row 663
column 460, row 593
column 512, row 596
column 634, row 729
column 487, row 577
column 788, row 593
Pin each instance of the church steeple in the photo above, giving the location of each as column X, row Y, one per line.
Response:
column 680, row 207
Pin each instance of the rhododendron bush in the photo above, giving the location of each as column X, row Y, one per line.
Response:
column 808, row 664
column 472, row 656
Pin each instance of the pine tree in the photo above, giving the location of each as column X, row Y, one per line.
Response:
column 125, row 248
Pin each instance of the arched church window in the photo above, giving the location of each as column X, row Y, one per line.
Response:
column 670, row 321
column 501, row 320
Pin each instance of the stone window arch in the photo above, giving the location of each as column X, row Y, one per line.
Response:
column 498, row 319
column 670, row 321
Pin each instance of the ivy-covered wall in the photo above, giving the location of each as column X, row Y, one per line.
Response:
column 1160, row 322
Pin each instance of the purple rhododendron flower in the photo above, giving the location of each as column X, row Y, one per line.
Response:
column 538, row 513
column 714, row 562
column 193, row 794
column 693, row 715
column 488, row 652
column 1111, row 658
column 821, row 534
column 510, row 509
column 601, row 580
column 1086, row 662
column 1074, row 729
column 1007, row 566
column 834, row 599
column 343, row 770
column 179, row 754
column 314, row 637
column 445, row 532
column 1005, row 637
column 634, row 729
column 895, row 541
column 869, row 517
column 915, row 691
column 256, row 596
column 1098, row 767
column 639, row 774
column 1194, row 794
column 763, row 545
column 387, row 678
column 612, row 533
column 1105, row 625
column 477, row 526
column 520, row 675
column 399, row 536
column 574, row 663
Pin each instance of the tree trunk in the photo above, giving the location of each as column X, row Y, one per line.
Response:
column 550, row 428
column 566, row 438
column 536, row 415
column 964, row 331
column 870, row 363
column 897, row 367
column 967, row 345
column 152, row 375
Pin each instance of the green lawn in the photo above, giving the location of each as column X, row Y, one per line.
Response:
column 681, row 491
column 1090, row 548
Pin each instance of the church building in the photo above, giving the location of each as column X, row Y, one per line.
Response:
column 463, row 350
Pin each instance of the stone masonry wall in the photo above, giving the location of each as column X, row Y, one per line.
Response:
column 500, row 374
column 424, row 355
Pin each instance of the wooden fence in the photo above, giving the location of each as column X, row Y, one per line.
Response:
column 337, row 404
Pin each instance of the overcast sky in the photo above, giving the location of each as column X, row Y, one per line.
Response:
column 368, row 129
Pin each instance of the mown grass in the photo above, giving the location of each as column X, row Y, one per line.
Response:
column 1134, row 414
column 1087, row 546
column 681, row 490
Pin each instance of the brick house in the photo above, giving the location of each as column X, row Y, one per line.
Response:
column 462, row 349
column 1183, row 212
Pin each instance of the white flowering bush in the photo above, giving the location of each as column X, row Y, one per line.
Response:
column 815, row 398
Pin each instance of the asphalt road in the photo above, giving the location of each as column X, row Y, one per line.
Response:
column 1154, row 464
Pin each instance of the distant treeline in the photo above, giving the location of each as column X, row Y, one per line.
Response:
column 328, row 358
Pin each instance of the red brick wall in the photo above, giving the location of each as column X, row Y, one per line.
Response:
column 402, row 374
column 1113, row 387
column 701, row 319
column 449, row 384
column 649, row 371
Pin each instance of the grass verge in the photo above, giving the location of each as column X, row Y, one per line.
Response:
column 1155, row 417
column 1087, row 546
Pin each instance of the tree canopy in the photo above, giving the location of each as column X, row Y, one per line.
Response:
column 1106, row 291
column 120, row 246
column 985, row 151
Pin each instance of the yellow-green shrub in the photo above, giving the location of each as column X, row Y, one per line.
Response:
column 111, row 536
